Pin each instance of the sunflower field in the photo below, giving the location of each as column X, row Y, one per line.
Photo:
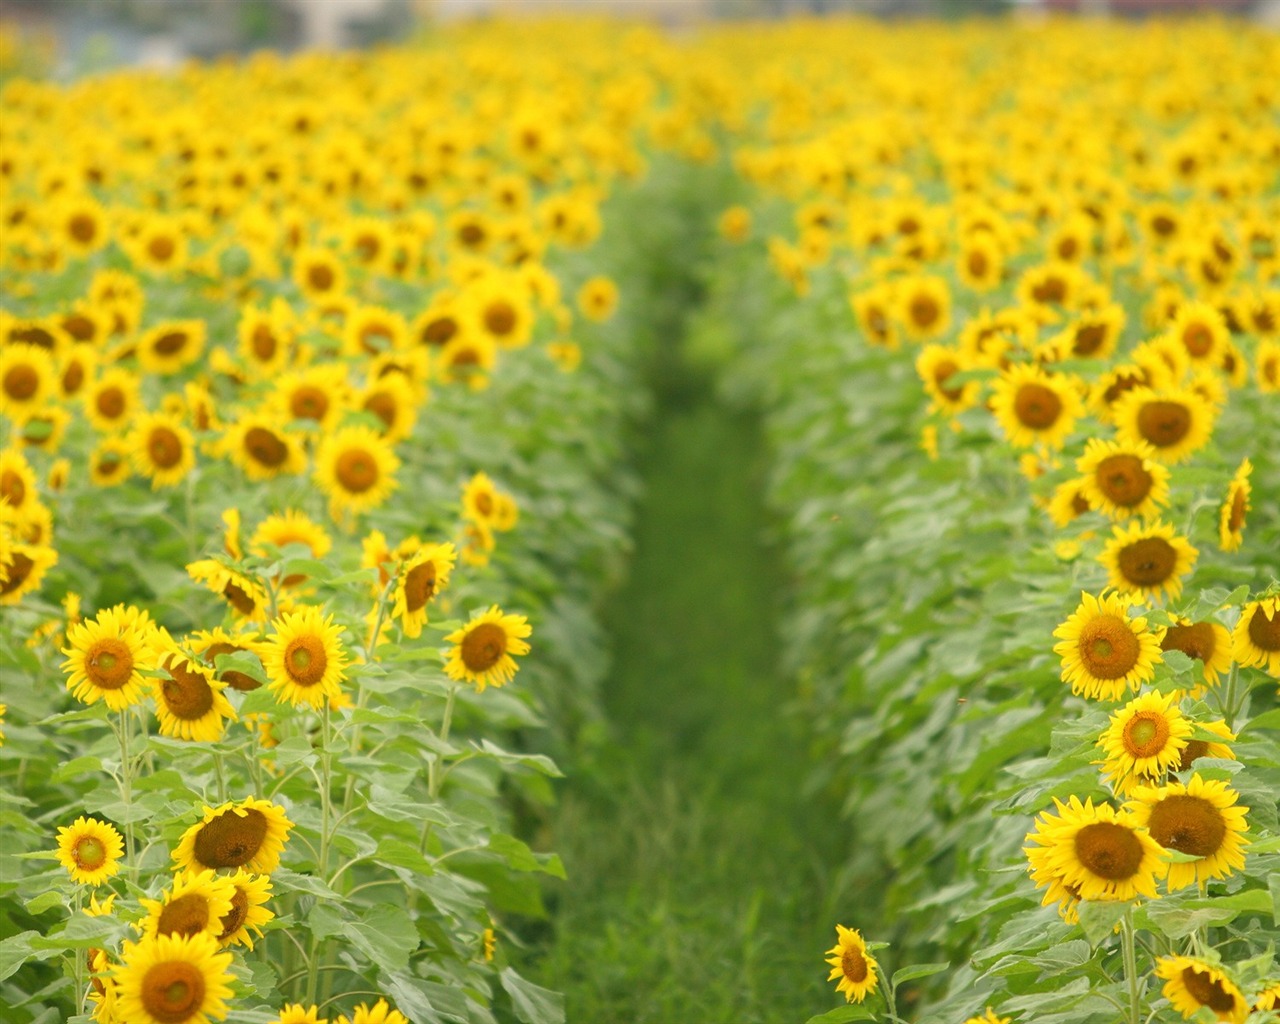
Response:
column 332, row 387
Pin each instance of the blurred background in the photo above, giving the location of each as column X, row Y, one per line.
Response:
column 72, row 37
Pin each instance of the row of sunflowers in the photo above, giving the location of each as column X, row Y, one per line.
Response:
column 312, row 401
column 1018, row 341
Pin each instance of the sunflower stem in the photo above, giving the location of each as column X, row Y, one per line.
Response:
column 1229, row 697
column 1127, row 945
column 369, row 648
column 434, row 766
column 79, row 955
column 326, row 815
column 126, row 787
column 221, row 777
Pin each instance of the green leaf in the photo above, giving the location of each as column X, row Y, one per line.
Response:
column 519, row 856
column 854, row 1011
column 74, row 767
column 537, row 762
column 17, row 950
column 46, row 901
column 1099, row 920
column 533, row 1004
column 385, row 934
column 918, row 971
column 398, row 853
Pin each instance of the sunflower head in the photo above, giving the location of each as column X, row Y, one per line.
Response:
column 304, row 658
column 107, row 655
column 248, row 835
column 1255, row 641
column 173, row 979
column 90, row 850
column 379, row 1013
column 1199, row 819
column 1235, row 506
column 1033, row 406
column 196, row 902
column 486, row 648
column 1104, row 652
column 1192, row 984
column 422, row 576
column 856, row 969
column 1144, row 740
column 1147, row 562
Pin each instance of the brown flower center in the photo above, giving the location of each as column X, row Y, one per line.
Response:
column 1164, row 424
column 308, row 403
column 12, row 488
column 161, row 249
column 356, row 470
column 73, row 377
column 483, row 646
column 1239, row 508
column 1193, row 750
column 305, row 660
column 941, row 373
column 1207, row 990
column 1088, row 339
column 111, row 403
column 173, row 991
column 471, row 235
column 1037, row 406
column 79, row 327
column 21, row 382
column 320, row 277
column 229, row 840
column 419, row 585
column 499, row 318
column 1051, row 289
column 239, row 598
column 1109, row 850
column 854, row 965
column 977, row 263
column 265, row 447
column 1189, row 824
column 383, row 405
column 1198, row 340
column 186, row 915
column 170, row 343
column 1148, row 562
column 235, row 680
column 1264, row 630
column 1123, row 480
column 19, row 569
column 1146, row 734
column 109, row 663
column 1196, row 640
column 263, row 342
column 165, row 447
column 925, row 311
column 439, row 330
column 187, row 694
column 1122, row 383
column 235, row 917
column 83, row 228
column 1108, row 647
column 89, row 853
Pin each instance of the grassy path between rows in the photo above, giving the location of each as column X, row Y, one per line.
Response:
column 699, row 888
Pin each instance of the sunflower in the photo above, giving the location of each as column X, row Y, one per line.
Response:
column 485, row 647
column 1255, row 641
column 506, row 513
column 1104, row 652
column 935, row 366
column 1202, row 332
column 102, row 986
column 378, row 1013
column 1035, row 407
column 479, row 499
column 189, row 700
column 171, row 346
column 1094, row 853
column 422, row 576
column 173, row 979
column 82, row 223
column 500, row 307
column 248, row 913
column 980, row 264
column 853, row 965
column 1122, row 480
column 160, row 246
column 392, row 400
column 318, row 273
column 304, row 658
column 18, row 490
column 296, row 1013
column 196, row 902
column 1176, row 422
column 734, row 224
column 265, row 338
column 1108, row 389
column 78, row 366
column 261, row 447
column 314, row 398
column 109, row 462
column 250, row 835
column 989, row 1018
column 246, row 596
column 373, row 330
column 290, row 527
column 1192, row 984
column 1146, row 562
column 1096, row 331
column 106, row 657
column 209, row 643
column 1267, row 364
column 355, row 468
column 1144, row 741
column 924, row 307
column 163, row 449
column 1269, row 997
column 90, row 850
column 598, row 298
column 27, row 380
column 111, row 402
column 1199, row 819
column 440, row 322
column 1206, row 642
column 873, row 309
column 1231, row 517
